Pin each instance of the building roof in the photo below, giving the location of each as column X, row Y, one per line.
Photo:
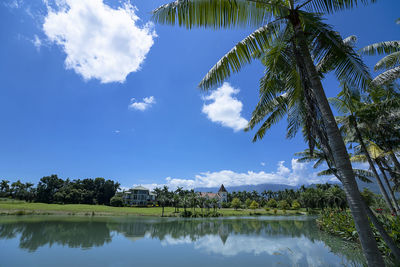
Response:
column 140, row 188
column 209, row 195
column 222, row 189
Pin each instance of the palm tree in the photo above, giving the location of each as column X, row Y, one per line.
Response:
column 348, row 102
column 390, row 63
column 287, row 22
column 4, row 188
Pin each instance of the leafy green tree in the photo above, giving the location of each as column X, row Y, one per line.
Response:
column 248, row 203
column 254, row 205
column 296, row 205
column 272, row 203
column 236, row 203
column 116, row 201
column 283, row 205
column 4, row 188
column 47, row 187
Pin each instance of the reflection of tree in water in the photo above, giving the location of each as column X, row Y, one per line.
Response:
column 89, row 232
column 72, row 234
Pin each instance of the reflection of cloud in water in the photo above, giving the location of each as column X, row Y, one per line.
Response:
column 300, row 249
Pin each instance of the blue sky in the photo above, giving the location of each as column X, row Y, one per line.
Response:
column 94, row 89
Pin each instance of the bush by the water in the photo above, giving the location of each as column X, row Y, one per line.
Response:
column 341, row 223
column 196, row 214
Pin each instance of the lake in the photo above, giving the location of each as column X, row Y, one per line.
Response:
column 138, row 241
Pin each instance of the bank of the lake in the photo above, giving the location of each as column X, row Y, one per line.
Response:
column 23, row 208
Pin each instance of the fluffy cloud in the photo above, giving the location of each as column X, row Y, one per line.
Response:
column 224, row 108
column 100, row 42
column 298, row 174
column 142, row 106
column 293, row 251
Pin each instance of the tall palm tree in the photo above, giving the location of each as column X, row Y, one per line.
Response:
column 390, row 63
column 348, row 102
column 292, row 22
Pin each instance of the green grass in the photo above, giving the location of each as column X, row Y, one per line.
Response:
column 20, row 208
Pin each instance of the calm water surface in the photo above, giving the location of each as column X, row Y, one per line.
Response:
column 135, row 241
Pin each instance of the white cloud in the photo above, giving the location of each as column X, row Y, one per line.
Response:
column 37, row 42
column 293, row 250
column 100, row 42
column 116, row 131
column 142, row 106
column 224, row 108
column 262, row 164
column 298, row 174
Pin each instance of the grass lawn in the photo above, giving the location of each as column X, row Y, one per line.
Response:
column 13, row 207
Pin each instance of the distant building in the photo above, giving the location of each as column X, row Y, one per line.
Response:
column 138, row 196
column 221, row 196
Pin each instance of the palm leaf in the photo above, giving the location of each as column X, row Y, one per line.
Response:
column 389, row 61
column 332, row 6
column 363, row 175
column 381, row 48
column 218, row 13
column 387, row 77
column 241, row 54
column 333, row 53
column 327, row 172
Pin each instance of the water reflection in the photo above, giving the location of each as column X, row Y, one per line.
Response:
column 294, row 241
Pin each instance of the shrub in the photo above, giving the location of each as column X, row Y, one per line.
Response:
column 283, row 205
column 266, row 208
column 226, row 205
column 248, row 203
column 272, row 203
column 253, row 205
column 341, row 223
column 296, row 205
column 275, row 211
column 186, row 214
column 116, row 201
column 236, row 203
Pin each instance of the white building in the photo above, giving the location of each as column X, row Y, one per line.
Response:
column 138, row 196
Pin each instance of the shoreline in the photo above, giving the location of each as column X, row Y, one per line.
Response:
column 25, row 208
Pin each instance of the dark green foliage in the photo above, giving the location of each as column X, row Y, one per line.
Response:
column 52, row 189
column 272, row 203
column 340, row 223
column 296, row 205
column 236, row 203
column 254, row 205
column 368, row 196
column 283, row 205
column 116, row 201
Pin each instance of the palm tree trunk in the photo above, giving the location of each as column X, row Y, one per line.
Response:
column 340, row 155
column 372, row 166
column 396, row 205
column 395, row 160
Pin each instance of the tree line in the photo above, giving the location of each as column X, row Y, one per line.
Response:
column 52, row 189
